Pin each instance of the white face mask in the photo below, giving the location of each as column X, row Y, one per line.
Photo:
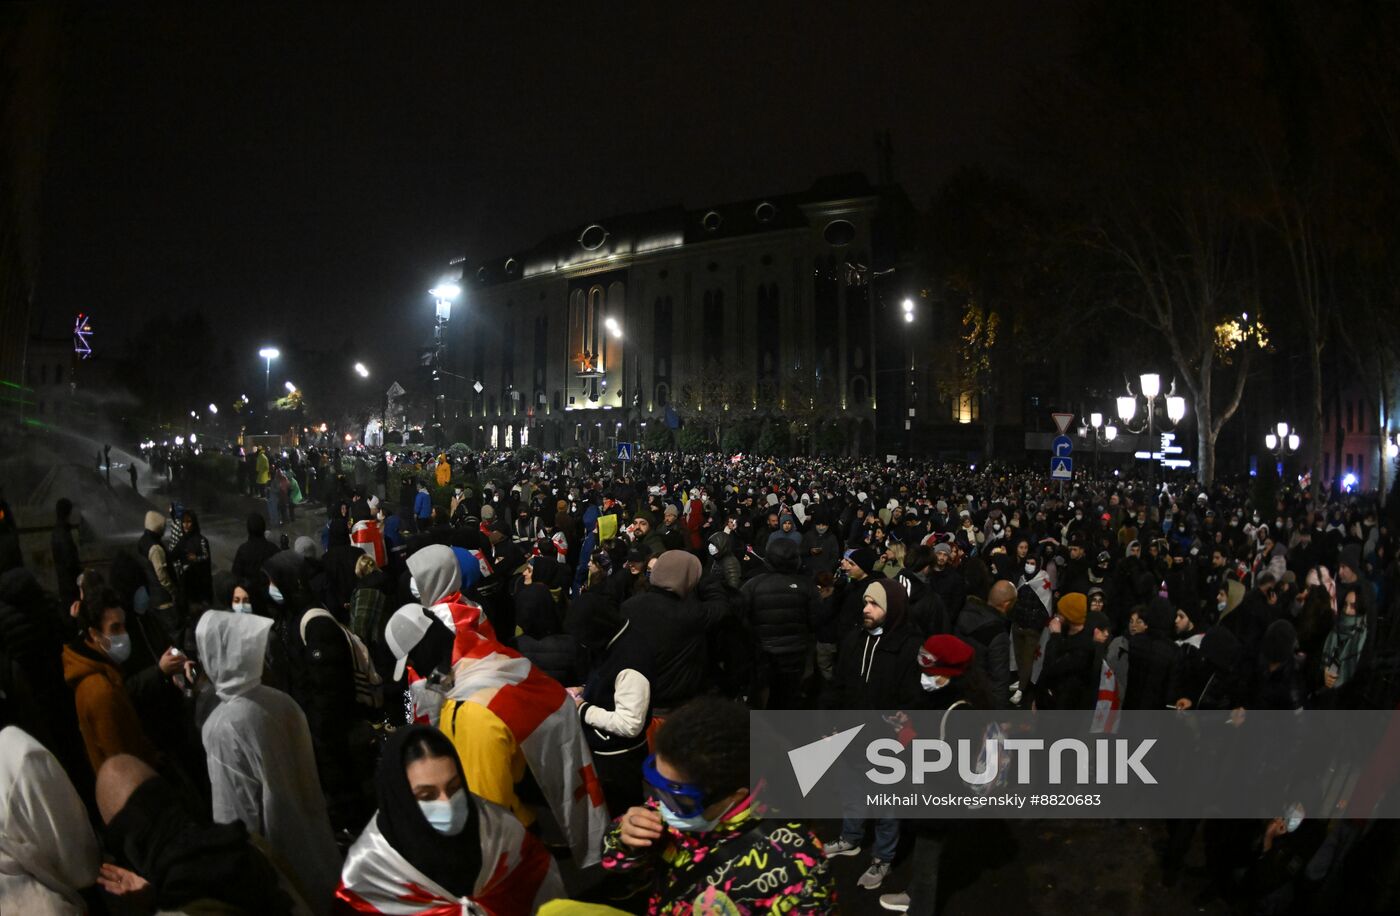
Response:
column 1030, row 569
column 275, row 594
column 413, row 587
column 714, row 551
column 447, row 817
column 242, row 607
column 118, row 647
column 932, row 682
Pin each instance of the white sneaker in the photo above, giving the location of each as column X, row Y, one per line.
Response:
column 899, row 903
column 841, row 847
column 874, row 875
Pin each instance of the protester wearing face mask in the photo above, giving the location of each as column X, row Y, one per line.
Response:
column 91, row 666
column 951, row 680
column 430, row 826
column 700, row 839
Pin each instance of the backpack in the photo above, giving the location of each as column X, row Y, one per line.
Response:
column 369, row 686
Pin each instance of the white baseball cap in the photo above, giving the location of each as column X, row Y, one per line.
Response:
column 405, row 630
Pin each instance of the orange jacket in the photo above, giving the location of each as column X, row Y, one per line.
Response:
column 106, row 717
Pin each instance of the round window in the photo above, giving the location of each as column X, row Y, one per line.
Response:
column 481, row 274
column 765, row 212
column 593, row 237
column 839, row 232
column 712, row 221
column 512, row 267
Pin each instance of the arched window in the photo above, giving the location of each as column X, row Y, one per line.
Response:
column 495, row 436
column 510, row 437
column 663, row 394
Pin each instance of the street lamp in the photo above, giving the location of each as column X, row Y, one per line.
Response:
column 613, row 327
column 444, row 294
column 291, row 389
column 361, row 371
column 908, row 306
column 213, row 408
column 1150, row 386
column 1101, row 432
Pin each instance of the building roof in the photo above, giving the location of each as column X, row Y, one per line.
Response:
column 671, row 227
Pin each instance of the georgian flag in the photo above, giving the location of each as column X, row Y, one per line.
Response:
column 367, row 535
column 1108, row 703
column 544, row 721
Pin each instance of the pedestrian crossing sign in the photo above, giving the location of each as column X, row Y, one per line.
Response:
column 1061, row 468
column 624, row 451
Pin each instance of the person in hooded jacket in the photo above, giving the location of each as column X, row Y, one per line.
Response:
column 821, row 552
column 720, row 546
column 262, row 767
column 674, row 621
column 434, row 841
column 49, row 856
column 322, row 681
column 192, row 562
column 1151, row 658
column 780, row 607
column 254, row 552
column 876, row 668
column 985, row 626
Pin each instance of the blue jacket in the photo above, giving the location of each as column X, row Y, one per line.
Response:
column 422, row 504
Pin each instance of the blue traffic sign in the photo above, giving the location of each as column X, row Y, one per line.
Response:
column 1062, row 447
column 624, row 451
column 1061, row 468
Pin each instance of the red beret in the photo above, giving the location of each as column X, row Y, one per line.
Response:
column 944, row 655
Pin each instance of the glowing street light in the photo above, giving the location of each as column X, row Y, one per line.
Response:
column 361, row 371
column 213, row 408
column 448, row 291
column 179, row 440
column 291, row 389
column 613, row 327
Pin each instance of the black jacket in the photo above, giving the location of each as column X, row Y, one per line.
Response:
column 251, row 555
column 781, row 605
column 950, row 586
column 990, row 634
column 1069, row 679
column 879, row 671
column 1151, row 660
column 675, row 628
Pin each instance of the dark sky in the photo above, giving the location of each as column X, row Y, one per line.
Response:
column 306, row 173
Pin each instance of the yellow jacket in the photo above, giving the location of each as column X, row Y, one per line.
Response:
column 444, row 471
column 491, row 758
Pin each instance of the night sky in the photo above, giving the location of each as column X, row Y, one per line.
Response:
column 284, row 170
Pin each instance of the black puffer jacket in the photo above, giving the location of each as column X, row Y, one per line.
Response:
column 781, row 605
column 673, row 621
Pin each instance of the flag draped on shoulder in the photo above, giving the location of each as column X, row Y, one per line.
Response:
column 544, row 722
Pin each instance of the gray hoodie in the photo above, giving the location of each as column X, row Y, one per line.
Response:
column 435, row 570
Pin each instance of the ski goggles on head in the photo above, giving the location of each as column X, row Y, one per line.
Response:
column 684, row 798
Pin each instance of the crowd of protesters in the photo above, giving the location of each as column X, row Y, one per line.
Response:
column 439, row 703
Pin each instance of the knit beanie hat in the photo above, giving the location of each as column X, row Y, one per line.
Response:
column 676, row 571
column 864, row 557
column 1097, row 620
column 945, row 656
column 488, row 513
column 875, row 591
column 1072, row 607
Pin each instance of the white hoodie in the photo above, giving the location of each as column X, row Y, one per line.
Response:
column 48, row 852
column 262, row 767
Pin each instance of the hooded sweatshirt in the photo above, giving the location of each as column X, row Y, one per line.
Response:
column 262, row 767
column 48, row 852
column 106, row 718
